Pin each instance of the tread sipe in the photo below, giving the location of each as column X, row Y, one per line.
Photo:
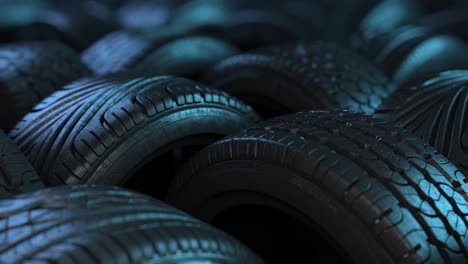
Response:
column 104, row 129
column 31, row 71
column 287, row 79
column 351, row 176
column 98, row 224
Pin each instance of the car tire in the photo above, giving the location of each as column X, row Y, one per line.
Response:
column 347, row 176
column 186, row 57
column 31, row 71
column 105, row 130
column 435, row 111
column 98, row 224
column 300, row 77
column 16, row 173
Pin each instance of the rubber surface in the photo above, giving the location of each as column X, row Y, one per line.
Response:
column 433, row 55
column 29, row 10
column 435, row 111
column 144, row 14
column 396, row 45
column 186, row 57
column 344, row 17
column 16, row 173
column 103, row 129
column 300, row 77
column 80, row 25
column 410, row 53
column 74, row 23
column 357, row 177
column 117, row 51
column 252, row 29
column 31, row 71
column 243, row 24
column 389, row 15
column 37, row 31
column 97, row 224
column 390, row 48
column 124, row 51
column 451, row 21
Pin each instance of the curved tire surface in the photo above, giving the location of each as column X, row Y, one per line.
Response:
column 436, row 112
column 186, row 57
column 104, row 129
column 98, row 224
column 300, row 77
column 16, row 173
column 117, row 51
column 31, row 71
column 359, row 178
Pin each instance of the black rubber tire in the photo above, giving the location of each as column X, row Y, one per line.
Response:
column 16, row 173
column 433, row 55
column 436, row 112
column 31, row 71
column 124, row 51
column 400, row 98
column 144, row 14
column 356, row 177
column 449, row 21
column 411, row 53
column 388, row 16
column 389, row 49
column 21, row 12
column 79, row 25
column 245, row 25
column 344, row 18
column 302, row 77
column 37, row 31
column 103, row 10
column 193, row 15
column 115, row 52
column 105, row 129
column 75, row 23
column 187, row 57
column 19, row 22
column 311, row 15
column 98, row 224
column 252, row 29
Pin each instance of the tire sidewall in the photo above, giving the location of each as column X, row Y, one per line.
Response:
column 223, row 185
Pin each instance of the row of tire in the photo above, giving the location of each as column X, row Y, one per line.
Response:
column 381, row 161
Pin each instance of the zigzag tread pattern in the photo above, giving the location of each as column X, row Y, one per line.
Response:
column 412, row 195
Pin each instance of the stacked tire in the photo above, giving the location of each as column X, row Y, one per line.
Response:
column 279, row 132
